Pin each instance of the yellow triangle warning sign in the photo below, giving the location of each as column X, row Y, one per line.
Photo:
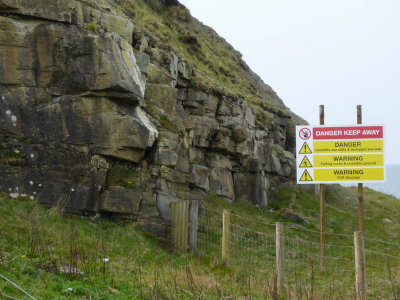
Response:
column 306, row 176
column 305, row 149
column 305, row 163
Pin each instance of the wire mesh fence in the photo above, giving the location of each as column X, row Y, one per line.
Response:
column 307, row 273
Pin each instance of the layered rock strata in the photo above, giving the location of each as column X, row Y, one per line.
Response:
column 95, row 119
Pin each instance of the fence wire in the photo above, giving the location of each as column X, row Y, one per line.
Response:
column 253, row 248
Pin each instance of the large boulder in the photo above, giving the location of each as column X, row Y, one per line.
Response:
column 68, row 60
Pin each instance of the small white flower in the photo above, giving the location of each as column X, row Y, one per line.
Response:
column 13, row 118
column 34, row 193
column 31, row 182
column 40, row 185
column 32, row 155
column 2, row 97
column 8, row 112
column 14, row 195
column 72, row 189
column 68, row 290
column 23, row 195
column 106, row 260
column 9, row 189
column 31, row 197
column 17, row 188
column 14, row 125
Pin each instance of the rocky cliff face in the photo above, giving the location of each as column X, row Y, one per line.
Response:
column 98, row 116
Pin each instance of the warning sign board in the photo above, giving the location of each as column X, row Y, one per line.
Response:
column 335, row 154
column 306, row 176
column 305, row 163
column 305, row 149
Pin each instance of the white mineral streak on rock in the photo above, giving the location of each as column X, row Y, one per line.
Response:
column 153, row 132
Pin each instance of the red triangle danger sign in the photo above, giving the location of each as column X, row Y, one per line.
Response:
column 305, row 163
column 305, row 149
column 306, row 176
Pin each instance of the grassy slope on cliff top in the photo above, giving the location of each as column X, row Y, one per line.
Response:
column 120, row 261
column 217, row 65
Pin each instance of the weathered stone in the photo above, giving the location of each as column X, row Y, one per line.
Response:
column 109, row 22
column 197, row 96
column 170, row 60
column 164, row 97
column 157, row 75
column 62, row 57
column 274, row 163
column 211, row 105
column 239, row 134
column 215, row 160
column 164, row 201
column 196, row 155
column 121, row 200
column 173, row 175
column 199, row 176
column 291, row 215
column 149, row 211
column 184, row 70
column 154, row 56
column 221, row 183
column 169, row 140
column 143, row 61
column 251, row 187
column 204, row 130
column 166, row 157
column 144, row 44
column 223, row 142
column 182, row 165
column 101, row 124
column 251, row 164
column 66, row 11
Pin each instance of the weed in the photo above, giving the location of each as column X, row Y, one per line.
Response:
column 121, row 175
column 92, row 26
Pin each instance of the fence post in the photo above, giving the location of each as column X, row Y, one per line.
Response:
column 193, row 224
column 280, row 258
column 361, row 284
column 180, row 224
column 316, row 189
column 226, row 235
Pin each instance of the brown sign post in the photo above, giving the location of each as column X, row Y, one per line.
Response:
column 360, row 185
column 322, row 202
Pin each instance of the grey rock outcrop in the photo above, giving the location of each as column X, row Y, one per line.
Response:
column 94, row 118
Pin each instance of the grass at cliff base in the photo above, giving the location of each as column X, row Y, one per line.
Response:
column 72, row 257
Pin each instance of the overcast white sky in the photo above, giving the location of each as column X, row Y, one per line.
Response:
column 338, row 53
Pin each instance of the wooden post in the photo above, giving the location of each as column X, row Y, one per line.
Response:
column 226, row 235
column 322, row 226
column 317, row 188
column 193, row 224
column 322, row 203
column 280, row 258
column 361, row 284
column 360, row 185
column 180, row 224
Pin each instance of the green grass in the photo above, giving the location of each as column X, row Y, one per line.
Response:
column 35, row 242
column 216, row 64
